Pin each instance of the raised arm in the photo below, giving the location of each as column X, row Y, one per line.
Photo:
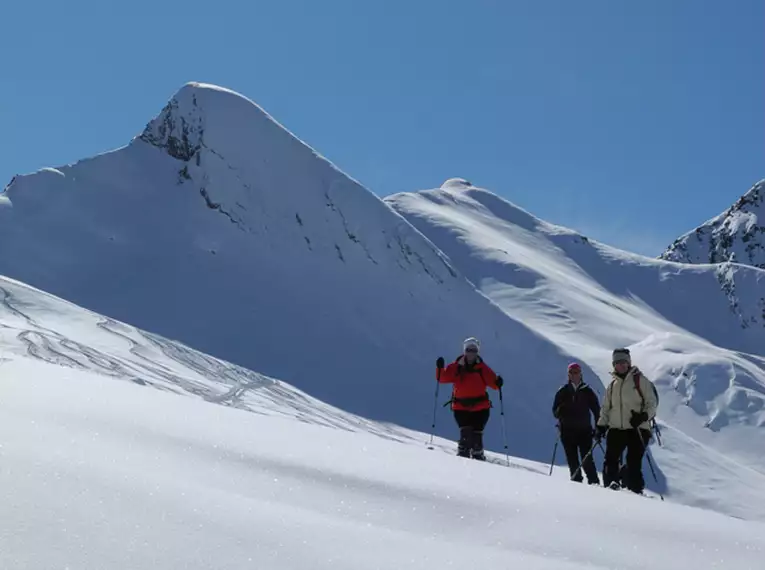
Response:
column 449, row 374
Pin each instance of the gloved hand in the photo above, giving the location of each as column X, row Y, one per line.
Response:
column 500, row 382
column 600, row 432
column 440, row 362
column 638, row 418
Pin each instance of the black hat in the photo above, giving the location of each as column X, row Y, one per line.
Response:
column 621, row 354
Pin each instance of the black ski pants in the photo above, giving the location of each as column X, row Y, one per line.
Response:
column 471, row 426
column 616, row 442
column 577, row 443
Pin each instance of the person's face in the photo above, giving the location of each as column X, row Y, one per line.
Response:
column 621, row 367
column 471, row 353
column 575, row 376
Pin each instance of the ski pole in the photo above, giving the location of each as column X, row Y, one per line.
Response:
column 578, row 469
column 435, row 405
column 504, row 430
column 555, row 450
column 648, row 457
column 657, row 431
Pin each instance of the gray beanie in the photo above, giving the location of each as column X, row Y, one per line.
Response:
column 621, row 354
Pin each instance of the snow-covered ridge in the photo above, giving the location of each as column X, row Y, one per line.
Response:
column 220, row 120
column 737, row 235
column 527, row 252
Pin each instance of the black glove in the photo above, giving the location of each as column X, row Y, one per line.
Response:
column 500, row 382
column 638, row 418
column 600, row 432
column 440, row 362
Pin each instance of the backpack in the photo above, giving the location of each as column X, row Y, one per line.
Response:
column 636, row 379
column 640, row 392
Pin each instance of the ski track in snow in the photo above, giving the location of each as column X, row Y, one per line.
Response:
column 166, row 365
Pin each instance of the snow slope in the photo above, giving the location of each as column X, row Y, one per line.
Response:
column 38, row 328
column 220, row 229
column 124, row 449
column 736, row 235
column 88, row 483
column 697, row 331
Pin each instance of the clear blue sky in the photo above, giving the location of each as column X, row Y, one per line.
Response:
column 632, row 122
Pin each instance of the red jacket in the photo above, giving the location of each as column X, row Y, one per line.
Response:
column 470, row 384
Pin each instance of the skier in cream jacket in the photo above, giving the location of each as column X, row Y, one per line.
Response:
column 628, row 407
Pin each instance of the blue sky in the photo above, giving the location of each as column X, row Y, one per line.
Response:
column 632, row 122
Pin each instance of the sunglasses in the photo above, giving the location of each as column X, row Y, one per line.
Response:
column 471, row 350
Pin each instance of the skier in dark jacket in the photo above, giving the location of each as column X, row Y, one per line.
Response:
column 573, row 405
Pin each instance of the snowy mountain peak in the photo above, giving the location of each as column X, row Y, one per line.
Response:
column 737, row 235
column 456, row 184
column 228, row 124
column 179, row 128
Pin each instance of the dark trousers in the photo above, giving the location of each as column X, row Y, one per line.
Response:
column 616, row 442
column 577, row 443
column 471, row 426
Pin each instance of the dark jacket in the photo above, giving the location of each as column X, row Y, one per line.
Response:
column 573, row 407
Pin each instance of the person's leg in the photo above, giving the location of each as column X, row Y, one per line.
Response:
column 568, row 440
column 615, row 444
column 588, row 466
column 635, row 451
column 479, row 421
column 463, row 420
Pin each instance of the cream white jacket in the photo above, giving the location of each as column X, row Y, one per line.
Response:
column 622, row 398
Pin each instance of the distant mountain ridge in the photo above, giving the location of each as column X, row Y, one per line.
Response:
column 737, row 235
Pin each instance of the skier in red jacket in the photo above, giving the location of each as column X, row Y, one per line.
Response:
column 470, row 401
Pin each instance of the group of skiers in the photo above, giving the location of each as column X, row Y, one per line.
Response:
column 623, row 420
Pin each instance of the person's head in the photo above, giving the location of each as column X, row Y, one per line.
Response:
column 470, row 349
column 622, row 360
column 574, row 373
